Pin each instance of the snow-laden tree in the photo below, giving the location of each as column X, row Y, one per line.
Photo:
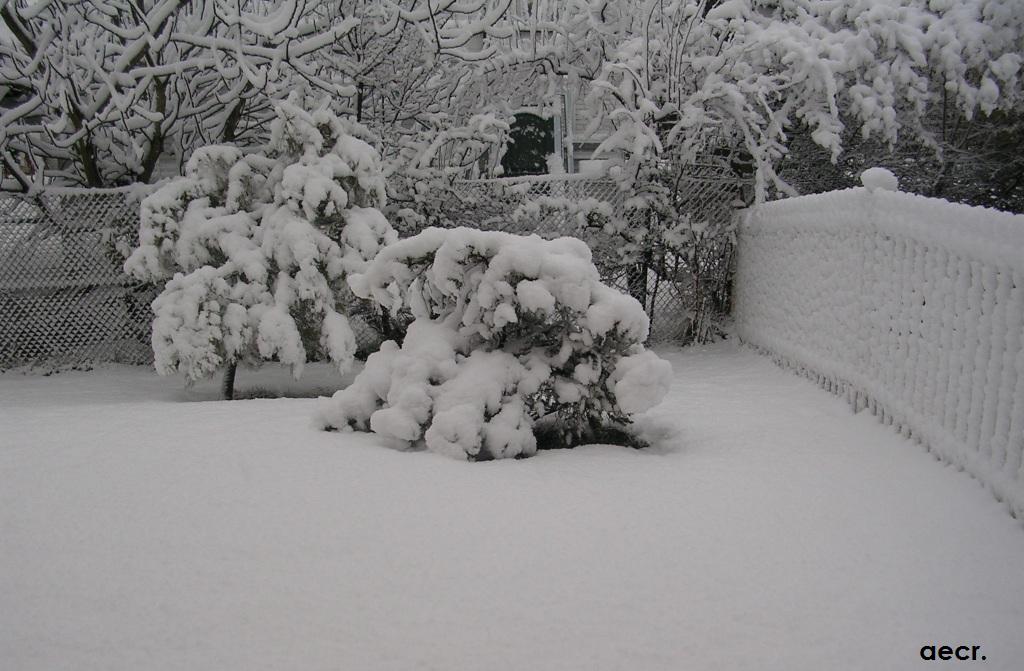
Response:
column 509, row 334
column 114, row 86
column 254, row 248
column 419, row 87
column 688, row 80
column 99, row 92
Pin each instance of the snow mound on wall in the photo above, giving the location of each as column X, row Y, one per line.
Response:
column 879, row 179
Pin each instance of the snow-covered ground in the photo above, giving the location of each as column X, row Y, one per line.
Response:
column 143, row 529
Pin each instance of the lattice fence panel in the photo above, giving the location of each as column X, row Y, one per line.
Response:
column 64, row 299
column 676, row 295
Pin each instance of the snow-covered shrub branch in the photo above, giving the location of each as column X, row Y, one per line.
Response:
column 507, row 331
column 254, row 248
column 912, row 307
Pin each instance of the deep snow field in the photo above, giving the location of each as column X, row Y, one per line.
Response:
column 144, row 527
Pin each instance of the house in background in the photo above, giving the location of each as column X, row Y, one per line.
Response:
column 550, row 136
column 548, row 139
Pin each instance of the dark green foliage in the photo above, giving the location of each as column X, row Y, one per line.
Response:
column 530, row 142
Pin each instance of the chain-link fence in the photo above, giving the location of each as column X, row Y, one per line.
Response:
column 64, row 299
column 490, row 203
column 683, row 282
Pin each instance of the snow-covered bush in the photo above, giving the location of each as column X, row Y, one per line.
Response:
column 254, row 248
column 509, row 333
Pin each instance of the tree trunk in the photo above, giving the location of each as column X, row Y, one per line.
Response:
column 87, row 155
column 156, row 143
column 636, row 282
column 227, row 386
column 230, row 131
column 941, row 182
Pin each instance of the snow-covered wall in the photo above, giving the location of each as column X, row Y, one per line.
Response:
column 911, row 307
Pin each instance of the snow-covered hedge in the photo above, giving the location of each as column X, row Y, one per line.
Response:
column 507, row 331
column 910, row 306
column 254, row 248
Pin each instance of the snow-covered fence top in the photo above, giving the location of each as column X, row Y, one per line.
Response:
column 912, row 307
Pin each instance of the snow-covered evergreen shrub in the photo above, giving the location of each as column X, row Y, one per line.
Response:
column 508, row 331
column 254, row 248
